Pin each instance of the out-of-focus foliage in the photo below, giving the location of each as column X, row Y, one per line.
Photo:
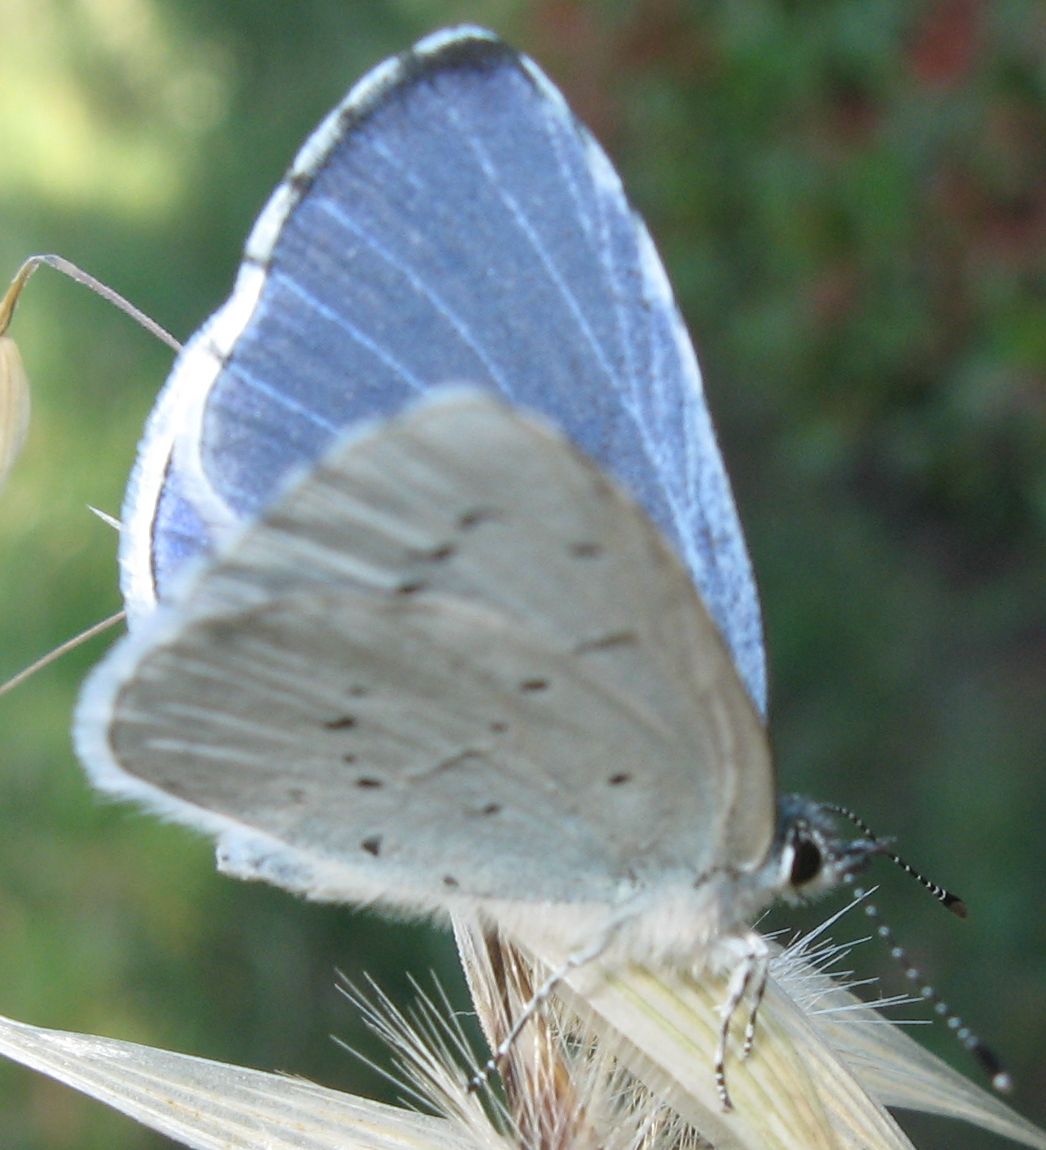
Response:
column 851, row 199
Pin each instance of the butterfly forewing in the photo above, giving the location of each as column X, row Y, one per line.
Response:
column 451, row 221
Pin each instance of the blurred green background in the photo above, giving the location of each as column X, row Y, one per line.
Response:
column 850, row 198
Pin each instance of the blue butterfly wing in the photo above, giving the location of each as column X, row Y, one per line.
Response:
column 450, row 222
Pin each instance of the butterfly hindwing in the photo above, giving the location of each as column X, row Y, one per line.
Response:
column 454, row 617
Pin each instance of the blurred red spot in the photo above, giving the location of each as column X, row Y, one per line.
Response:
column 945, row 44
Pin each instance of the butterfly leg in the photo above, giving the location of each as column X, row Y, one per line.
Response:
column 574, row 961
column 750, row 972
column 753, row 1014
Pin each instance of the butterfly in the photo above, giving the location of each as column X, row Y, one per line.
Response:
column 438, row 596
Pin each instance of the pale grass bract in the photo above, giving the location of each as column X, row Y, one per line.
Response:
column 831, row 1066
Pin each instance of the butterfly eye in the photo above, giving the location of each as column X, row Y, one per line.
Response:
column 806, row 862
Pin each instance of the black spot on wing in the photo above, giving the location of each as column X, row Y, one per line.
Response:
column 476, row 516
column 438, row 554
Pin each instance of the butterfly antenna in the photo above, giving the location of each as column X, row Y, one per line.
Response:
column 1000, row 1078
column 943, row 896
column 62, row 649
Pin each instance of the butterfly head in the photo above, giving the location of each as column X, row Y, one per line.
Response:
column 812, row 856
